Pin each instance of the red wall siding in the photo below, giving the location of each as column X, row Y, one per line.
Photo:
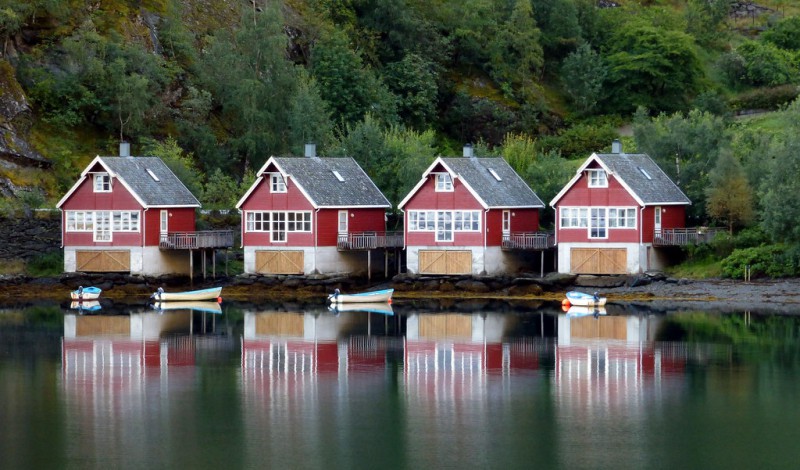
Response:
column 671, row 217
column 182, row 219
column 359, row 220
column 85, row 199
column 426, row 198
column 263, row 199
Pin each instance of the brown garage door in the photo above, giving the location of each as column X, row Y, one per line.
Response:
column 445, row 262
column 598, row 260
column 103, row 261
column 445, row 326
column 280, row 324
column 279, row 262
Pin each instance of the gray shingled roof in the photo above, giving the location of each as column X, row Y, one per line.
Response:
column 658, row 189
column 167, row 191
column 510, row 191
column 315, row 176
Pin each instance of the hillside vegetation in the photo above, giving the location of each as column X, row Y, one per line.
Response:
column 216, row 87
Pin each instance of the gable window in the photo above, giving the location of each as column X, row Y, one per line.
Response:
column 102, row 183
column 444, row 183
column 598, row 223
column 277, row 183
column 597, row 178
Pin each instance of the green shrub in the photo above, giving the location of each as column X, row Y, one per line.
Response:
column 764, row 261
column 765, row 98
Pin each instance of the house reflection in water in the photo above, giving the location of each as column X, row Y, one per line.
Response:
column 115, row 366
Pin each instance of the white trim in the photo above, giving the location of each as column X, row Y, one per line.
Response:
column 339, row 220
column 598, row 178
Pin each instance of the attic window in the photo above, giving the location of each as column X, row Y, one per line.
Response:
column 153, row 175
column 102, row 183
column 597, row 178
column 444, row 182
column 645, row 173
column 337, row 175
column 494, row 173
column 277, row 183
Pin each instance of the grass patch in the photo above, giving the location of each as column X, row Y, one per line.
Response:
column 46, row 265
column 697, row 269
column 12, row 266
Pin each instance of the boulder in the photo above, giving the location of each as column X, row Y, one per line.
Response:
column 585, row 280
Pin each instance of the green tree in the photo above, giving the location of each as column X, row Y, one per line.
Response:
column 583, row 74
column 515, row 52
column 309, row 116
column 181, row 163
column 651, row 67
column 785, row 34
column 766, row 64
column 559, row 22
column 221, row 191
column 705, row 21
column 729, row 197
column 413, row 81
column 780, row 209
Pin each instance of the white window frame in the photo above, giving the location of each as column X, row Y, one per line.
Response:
column 444, row 226
column 598, row 223
column 574, row 217
column 466, row 221
column 277, row 232
column 506, row 222
column 622, row 217
column 342, row 222
column 164, row 221
column 444, row 183
column 102, row 227
column 597, row 178
column 125, row 221
column 102, row 183
column 80, row 221
column 421, row 221
column 257, row 221
column 277, row 183
column 298, row 221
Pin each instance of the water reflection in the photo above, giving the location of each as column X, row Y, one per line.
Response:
column 432, row 385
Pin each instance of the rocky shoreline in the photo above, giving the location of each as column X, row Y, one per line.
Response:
column 654, row 289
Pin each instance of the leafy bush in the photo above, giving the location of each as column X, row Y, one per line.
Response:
column 765, row 98
column 764, row 261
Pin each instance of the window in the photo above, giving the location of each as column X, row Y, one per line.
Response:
column 278, row 233
column 125, row 221
column 494, row 173
column 574, row 217
column 153, row 175
column 597, row 223
column 597, row 179
column 506, row 222
column 102, row 226
column 298, row 221
column 645, row 173
column 620, row 217
column 338, row 175
column 277, row 183
column 164, row 221
column 257, row 222
column 444, row 182
column 80, row 221
column 102, row 183
column 343, row 222
column 421, row 221
column 467, row 221
column 444, row 226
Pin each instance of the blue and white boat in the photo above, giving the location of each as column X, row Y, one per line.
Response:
column 85, row 293
column 212, row 293
column 382, row 308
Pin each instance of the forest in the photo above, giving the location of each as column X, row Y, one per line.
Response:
column 707, row 88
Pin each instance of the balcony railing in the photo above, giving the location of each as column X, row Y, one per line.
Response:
column 528, row 241
column 369, row 240
column 193, row 240
column 685, row 236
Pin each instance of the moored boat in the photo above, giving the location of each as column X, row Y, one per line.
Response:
column 85, row 293
column 384, row 295
column 212, row 293
column 85, row 305
column 584, row 300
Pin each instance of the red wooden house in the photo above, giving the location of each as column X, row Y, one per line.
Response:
column 471, row 215
column 131, row 214
column 308, row 214
column 611, row 213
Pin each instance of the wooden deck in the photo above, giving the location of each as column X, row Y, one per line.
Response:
column 528, row 241
column 369, row 240
column 685, row 236
column 195, row 240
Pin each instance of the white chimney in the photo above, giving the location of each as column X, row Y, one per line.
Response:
column 311, row 150
column 468, row 151
column 124, row 149
column 616, row 146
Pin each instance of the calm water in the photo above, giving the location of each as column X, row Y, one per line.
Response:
column 473, row 384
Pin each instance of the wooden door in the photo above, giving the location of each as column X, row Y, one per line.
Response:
column 103, row 261
column 445, row 262
column 598, row 260
column 445, row 326
column 279, row 262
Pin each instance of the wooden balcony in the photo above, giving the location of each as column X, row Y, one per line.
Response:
column 195, row 240
column 685, row 236
column 369, row 240
column 528, row 241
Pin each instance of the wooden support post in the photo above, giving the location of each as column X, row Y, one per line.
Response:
column 386, row 263
column 541, row 264
column 369, row 265
column 214, row 263
column 203, row 263
column 191, row 266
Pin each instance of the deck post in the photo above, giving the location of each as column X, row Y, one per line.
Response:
column 214, row 263
column 541, row 263
column 203, row 254
column 386, row 263
column 369, row 265
column 191, row 266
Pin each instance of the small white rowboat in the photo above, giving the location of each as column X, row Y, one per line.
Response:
column 202, row 294
column 585, row 300
column 85, row 293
